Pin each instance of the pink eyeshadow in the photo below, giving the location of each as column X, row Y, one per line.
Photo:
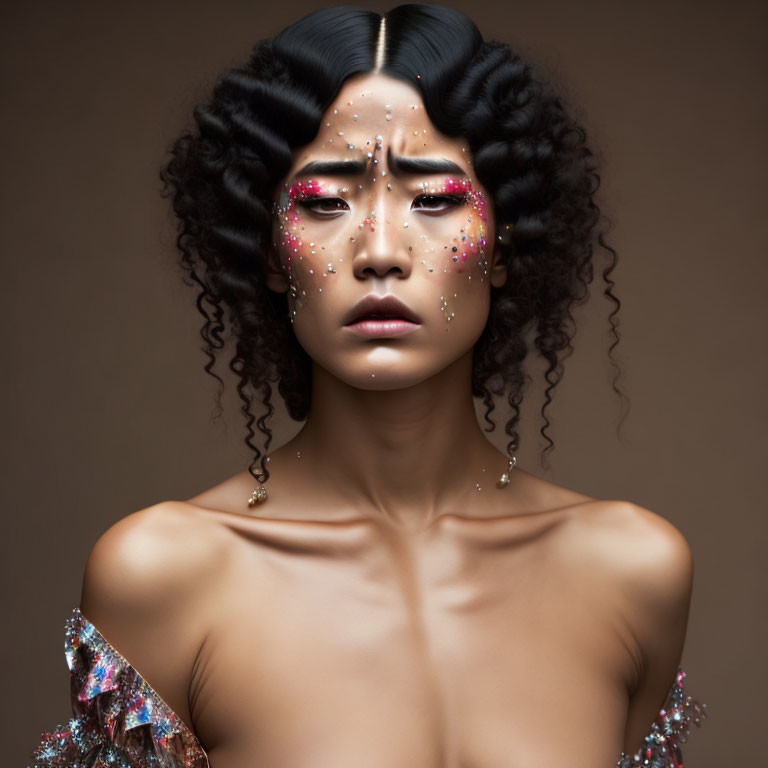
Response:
column 298, row 191
column 464, row 187
column 301, row 190
column 465, row 245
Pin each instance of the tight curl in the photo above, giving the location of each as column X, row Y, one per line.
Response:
column 527, row 151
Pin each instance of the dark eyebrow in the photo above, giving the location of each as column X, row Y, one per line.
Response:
column 415, row 165
column 333, row 168
column 423, row 165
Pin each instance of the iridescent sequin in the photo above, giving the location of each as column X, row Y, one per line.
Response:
column 661, row 747
column 120, row 721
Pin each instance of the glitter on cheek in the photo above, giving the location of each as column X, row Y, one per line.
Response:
column 479, row 240
column 446, row 310
column 471, row 241
column 466, row 249
column 294, row 248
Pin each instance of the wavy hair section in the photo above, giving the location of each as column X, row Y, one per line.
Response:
column 528, row 152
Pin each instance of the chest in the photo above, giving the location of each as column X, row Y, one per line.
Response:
column 446, row 653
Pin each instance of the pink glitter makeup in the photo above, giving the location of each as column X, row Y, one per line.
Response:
column 288, row 210
column 469, row 242
column 464, row 186
column 301, row 191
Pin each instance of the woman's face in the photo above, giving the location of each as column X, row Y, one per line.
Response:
column 381, row 204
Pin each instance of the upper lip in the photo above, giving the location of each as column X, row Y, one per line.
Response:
column 380, row 306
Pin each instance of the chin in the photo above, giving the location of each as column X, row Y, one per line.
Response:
column 385, row 381
column 385, row 369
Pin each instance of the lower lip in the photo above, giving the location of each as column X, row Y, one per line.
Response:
column 392, row 327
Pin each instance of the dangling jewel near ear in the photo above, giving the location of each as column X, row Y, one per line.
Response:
column 503, row 481
column 259, row 495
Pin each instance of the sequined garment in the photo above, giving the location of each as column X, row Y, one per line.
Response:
column 661, row 747
column 120, row 721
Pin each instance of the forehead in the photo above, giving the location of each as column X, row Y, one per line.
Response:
column 376, row 107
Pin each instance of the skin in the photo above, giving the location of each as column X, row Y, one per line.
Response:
column 388, row 605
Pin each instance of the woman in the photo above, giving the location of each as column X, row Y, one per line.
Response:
column 379, row 209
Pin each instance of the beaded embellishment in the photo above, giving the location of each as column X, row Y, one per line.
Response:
column 119, row 720
column 661, row 747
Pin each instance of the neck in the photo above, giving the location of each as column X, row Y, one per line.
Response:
column 404, row 455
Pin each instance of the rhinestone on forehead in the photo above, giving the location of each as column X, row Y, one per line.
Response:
column 469, row 241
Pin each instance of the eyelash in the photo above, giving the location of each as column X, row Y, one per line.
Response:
column 308, row 202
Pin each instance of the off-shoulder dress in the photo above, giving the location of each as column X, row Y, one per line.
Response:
column 120, row 721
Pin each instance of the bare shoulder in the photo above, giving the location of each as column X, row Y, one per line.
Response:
column 147, row 581
column 646, row 554
column 650, row 564
column 647, row 562
column 151, row 555
column 642, row 545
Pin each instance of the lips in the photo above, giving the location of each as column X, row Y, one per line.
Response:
column 373, row 307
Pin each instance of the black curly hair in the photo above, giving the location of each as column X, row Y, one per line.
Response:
column 527, row 151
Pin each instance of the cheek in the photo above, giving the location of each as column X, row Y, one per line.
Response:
column 306, row 263
column 472, row 237
column 293, row 246
column 465, row 298
column 465, row 249
column 462, row 255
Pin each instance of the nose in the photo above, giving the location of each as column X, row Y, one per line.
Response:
column 382, row 247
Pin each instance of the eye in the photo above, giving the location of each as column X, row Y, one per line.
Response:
column 439, row 203
column 323, row 206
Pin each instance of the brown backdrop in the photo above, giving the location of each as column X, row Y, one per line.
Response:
column 107, row 408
